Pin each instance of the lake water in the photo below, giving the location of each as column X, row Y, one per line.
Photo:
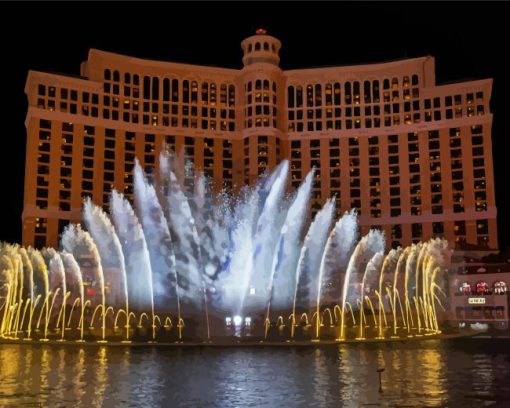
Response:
column 433, row 373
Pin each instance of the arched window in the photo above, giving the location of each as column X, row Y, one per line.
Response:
column 405, row 81
column 223, row 94
column 394, row 83
column 205, row 92
column 299, row 96
column 194, row 91
column 166, row 89
column 499, row 288
column 231, row 95
column 309, row 95
column 356, row 88
column 107, row 74
column 386, row 84
column 318, row 95
column 348, row 92
column 185, row 91
column 257, row 46
column 146, row 87
column 212, row 95
column 175, row 90
column 328, row 90
column 155, row 88
column 250, row 86
column 414, row 79
column 336, row 94
column 116, row 76
column 375, row 91
column 266, row 46
column 136, row 80
column 258, row 84
column 274, row 86
column 266, row 84
column 127, row 78
column 290, row 96
column 273, row 47
column 366, row 92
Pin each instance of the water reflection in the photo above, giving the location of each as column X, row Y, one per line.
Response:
column 101, row 378
column 79, row 374
column 432, row 374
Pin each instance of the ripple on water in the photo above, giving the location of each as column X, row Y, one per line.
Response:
column 423, row 375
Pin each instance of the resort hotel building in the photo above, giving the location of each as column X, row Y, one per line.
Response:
column 414, row 158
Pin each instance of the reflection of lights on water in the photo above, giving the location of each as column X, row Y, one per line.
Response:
column 247, row 321
column 252, row 290
column 228, row 321
column 238, row 320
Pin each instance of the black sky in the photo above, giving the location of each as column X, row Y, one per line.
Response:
column 468, row 40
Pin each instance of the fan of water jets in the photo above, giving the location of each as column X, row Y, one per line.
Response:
column 178, row 249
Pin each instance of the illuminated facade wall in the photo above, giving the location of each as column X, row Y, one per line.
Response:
column 413, row 157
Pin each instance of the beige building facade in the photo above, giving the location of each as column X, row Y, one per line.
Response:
column 415, row 158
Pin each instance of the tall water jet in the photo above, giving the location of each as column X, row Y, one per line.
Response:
column 266, row 238
column 40, row 272
column 159, row 242
column 58, row 280
column 389, row 263
column 438, row 256
column 217, row 247
column 211, row 223
column 18, row 287
column 190, row 272
column 400, row 267
column 409, row 284
column 368, row 283
column 136, row 254
column 110, row 250
column 184, row 234
column 307, row 271
column 338, row 249
column 366, row 248
column 10, row 266
column 283, row 278
column 79, row 243
column 418, row 295
column 7, row 276
column 234, row 280
column 28, row 272
column 73, row 277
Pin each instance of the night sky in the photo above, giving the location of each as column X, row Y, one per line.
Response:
column 469, row 41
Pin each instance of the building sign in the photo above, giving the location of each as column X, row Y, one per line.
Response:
column 476, row 301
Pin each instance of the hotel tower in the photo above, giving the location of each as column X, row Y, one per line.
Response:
column 415, row 158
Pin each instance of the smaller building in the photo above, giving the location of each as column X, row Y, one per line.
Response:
column 479, row 293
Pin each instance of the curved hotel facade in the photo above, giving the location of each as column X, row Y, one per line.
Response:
column 415, row 158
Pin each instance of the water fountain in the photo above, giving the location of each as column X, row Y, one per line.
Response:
column 192, row 265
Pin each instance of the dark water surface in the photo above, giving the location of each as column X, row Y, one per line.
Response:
column 434, row 373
